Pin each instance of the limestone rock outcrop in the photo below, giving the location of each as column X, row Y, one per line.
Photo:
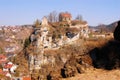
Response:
column 117, row 32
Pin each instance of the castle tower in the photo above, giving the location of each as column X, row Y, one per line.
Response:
column 44, row 21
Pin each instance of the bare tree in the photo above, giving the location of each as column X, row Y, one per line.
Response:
column 79, row 17
column 37, row 23
column 53, row 17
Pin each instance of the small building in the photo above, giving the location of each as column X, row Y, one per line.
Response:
column 10, row 67
column 4, row 73
column 26, row 78
column 65, row 17
column 3, row 58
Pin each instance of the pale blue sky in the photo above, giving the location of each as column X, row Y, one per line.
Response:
column 17, row 12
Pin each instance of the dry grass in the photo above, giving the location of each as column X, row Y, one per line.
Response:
column 97, row 74
column 95, row 43
column 22, row 64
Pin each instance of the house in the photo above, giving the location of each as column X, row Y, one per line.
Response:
column 65, row 17
column 7, row 66
column 5, row 73
column 26, row 78
column 10, row 54
column 11, row 48
column 3, row 58
column 8, row 40
column 98, row 35
column 13, row 68
column 10, row 67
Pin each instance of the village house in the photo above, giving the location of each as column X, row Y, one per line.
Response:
column 10, row 67
column 7, row 67
column 5, row 73
column 10, row 54
column 10, row 49
column 98, row 35
column 3, row 59
column 103, row 35
column 8, row 40
column 14, row 29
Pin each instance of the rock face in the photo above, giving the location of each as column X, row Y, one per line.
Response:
column 40, row 41
column 75, row 65
column 54, row 57
column 36, row 61
column 55, row 64
column 44, row 21
column 117, row 32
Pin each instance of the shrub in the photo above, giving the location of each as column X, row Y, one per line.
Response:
column 27, row 42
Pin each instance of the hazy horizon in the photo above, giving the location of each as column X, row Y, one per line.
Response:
column 20, row 12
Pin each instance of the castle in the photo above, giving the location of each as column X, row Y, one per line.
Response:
column 42, row 41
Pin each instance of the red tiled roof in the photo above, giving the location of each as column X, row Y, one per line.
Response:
column 5, row 72
column 26, row 78
column 1, row 71
column 66, row 15
column 1, row 62
column 8, row 66
column 2, row 57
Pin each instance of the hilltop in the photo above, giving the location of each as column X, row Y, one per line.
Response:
column 53, row 50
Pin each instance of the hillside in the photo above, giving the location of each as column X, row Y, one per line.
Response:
column 112, row 26
column 106, row 28
column 56, row 51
